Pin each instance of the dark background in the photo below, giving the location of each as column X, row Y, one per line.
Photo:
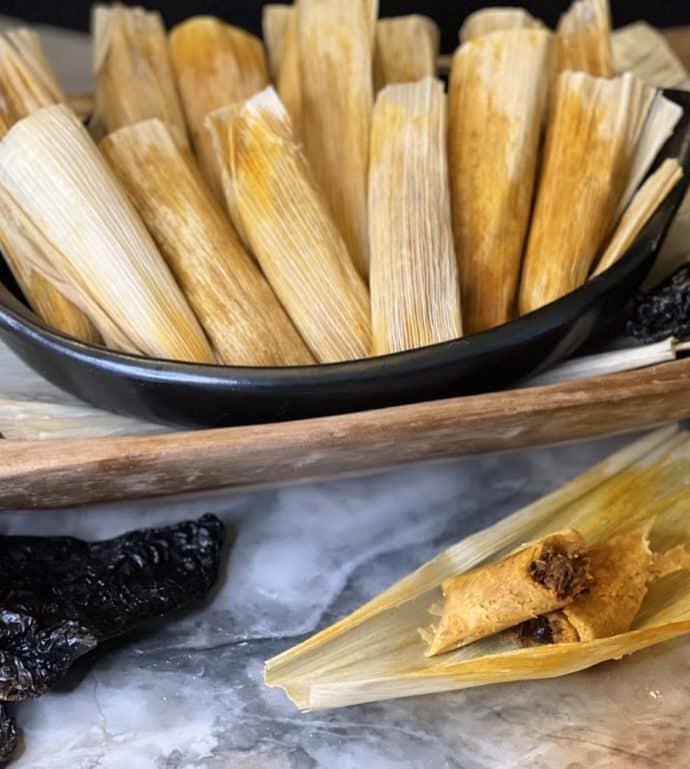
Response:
column 448, row 13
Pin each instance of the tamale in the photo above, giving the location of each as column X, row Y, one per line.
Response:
column 551, row 572
column 622, row 570
column 241, row 315
column 415, row 294
column 645, row 51
column 591, row 136
column 643, row 206
column 284, row 218
column 583, row 39
column 132, row 69
column 497, row 101
column 375, row 653
column 335, row 56
column 215, row 64
column 58, row 192
column 27, row 83
column 488, row 20
column 406, row 50
column 661, row 119
column 280, row 34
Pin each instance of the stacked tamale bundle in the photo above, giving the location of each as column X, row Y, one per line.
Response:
column 592, row 572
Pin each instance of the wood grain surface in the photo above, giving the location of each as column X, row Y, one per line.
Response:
column 68, row 472
column 55, row 473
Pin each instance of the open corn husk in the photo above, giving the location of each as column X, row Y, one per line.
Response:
column 132, row 69
column 376, row 652
column 27, row 83
column 583, row 39
column 241, row 315
column 406, row 50
column 593, row 128
column 58, row 193
column 415, row 294
column 662, row 118
column 497, row 101
column 335, row 56
column 215, row 64
column 280, row 35
column 643, row 206
column 488, row 20
column 283, row 216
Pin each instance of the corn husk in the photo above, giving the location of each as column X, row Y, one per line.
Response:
column 27, row 83
column 215, row 64
column 58, row 192
column 282, row 214
column 335, row 55
column 406, row 50
column 583, row 39
column 241, row 315
column 415, row 294
column 593, row 127
column 376, row 654
column 488, row 20
column 280, row 34
column 644, row 205
column 662, row 118
column 132, row 69
column 497, row 102
column 644, row 51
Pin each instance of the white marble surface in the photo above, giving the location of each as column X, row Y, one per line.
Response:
column 187, row 694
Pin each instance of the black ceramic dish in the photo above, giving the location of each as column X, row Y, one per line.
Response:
column 197, row 395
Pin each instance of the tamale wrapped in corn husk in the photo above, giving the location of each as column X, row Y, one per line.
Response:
column 583, row 39
column 406, row 50
column 498, row 19
column 284, row 218
column 643, row 206
column 662, row 118
column 593, row 127
column 415, row 294
column 376, row 653
column 27, row 83
column 335, row 56
column 498, row 89
column 132, row 69
column 622, row 570
column 58, row 192
column 645, row 51
column 487, row 600
column 241, row 315
column 280, row 35
column 215, row 64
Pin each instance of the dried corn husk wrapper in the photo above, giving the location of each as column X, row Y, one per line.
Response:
column 132, row 69
column 282, row 214
column 335, row 56
column 27, row 83
column 415, row 294
column 280, row 35
column 643, row 50
column 241, row 315
column 488, row 20
column 376, row 652
column 57, row 191
column 643, row 206
column 215, row 64
column 407, row 48
column 498, row 91
column 583, row 39
column 593, row 129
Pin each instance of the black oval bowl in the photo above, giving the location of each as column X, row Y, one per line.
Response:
column 211, row 396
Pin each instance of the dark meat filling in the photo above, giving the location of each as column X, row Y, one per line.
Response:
column 565, row 574
column 664, row 311
column 535, row 631
column 8, row 735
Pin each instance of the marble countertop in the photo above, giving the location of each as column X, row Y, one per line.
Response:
column 188, row 693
